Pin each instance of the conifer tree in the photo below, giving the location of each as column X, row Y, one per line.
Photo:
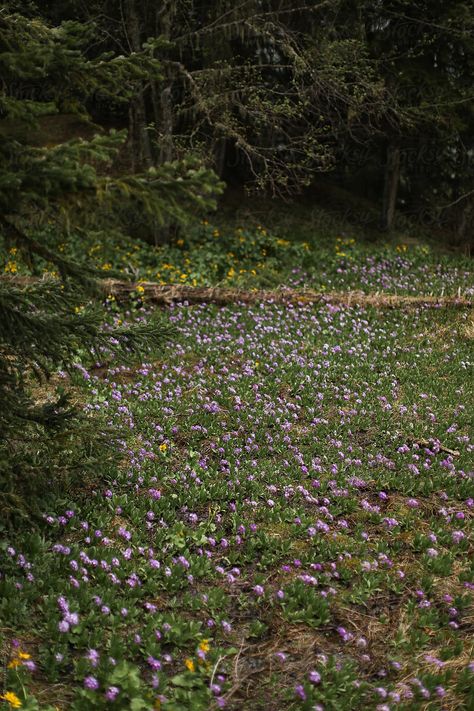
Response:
column 44, row 323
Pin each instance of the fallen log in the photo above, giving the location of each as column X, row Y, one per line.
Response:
column 169, row 293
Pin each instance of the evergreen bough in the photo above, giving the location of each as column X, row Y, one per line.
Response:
column 45, row 323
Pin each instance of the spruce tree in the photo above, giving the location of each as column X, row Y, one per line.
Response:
column 44, row 323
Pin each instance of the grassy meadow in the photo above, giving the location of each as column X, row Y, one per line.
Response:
column 284, row 520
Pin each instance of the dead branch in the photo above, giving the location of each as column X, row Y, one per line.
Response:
column 427, row 443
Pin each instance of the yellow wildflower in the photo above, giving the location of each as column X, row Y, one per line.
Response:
column 180, row 242
column 11, row 268
column 17, row 660
column 14, row 663
column 189, row 664
column 140, row 289
column 106, row 267
column 163, row 447
column 205, row 646
column 11, row 698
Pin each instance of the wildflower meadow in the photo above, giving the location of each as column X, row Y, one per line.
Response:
column 288, row 522
column 236, row 355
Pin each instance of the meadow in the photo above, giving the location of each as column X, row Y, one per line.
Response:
column 288, row 522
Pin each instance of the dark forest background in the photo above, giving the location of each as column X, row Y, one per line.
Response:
column 277, row 97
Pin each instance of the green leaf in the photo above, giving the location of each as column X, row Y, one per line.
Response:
column 183, row 680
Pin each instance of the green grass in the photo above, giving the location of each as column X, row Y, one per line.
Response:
column 288, row 521
column 268, row 436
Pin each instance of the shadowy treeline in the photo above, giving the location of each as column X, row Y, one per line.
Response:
column 271, row 93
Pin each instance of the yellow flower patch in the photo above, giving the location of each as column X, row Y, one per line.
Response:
column 11, row 698
column 205, row 645
column 11, row 267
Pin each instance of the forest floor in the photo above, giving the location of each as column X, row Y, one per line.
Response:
column 290, row 524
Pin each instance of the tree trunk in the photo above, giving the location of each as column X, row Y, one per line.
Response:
column 465, row 224
column 166, row 294
column 166, row 125
column 139, row 139
column 219, row 152
column 392, row 179
column 162, row 94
